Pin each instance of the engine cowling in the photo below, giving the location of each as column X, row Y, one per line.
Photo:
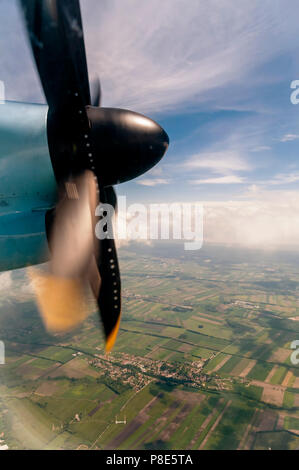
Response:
column 126, row 144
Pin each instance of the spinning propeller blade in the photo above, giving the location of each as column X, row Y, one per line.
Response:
column 91, row 148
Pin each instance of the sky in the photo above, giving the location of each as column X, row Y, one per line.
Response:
column 217, row 76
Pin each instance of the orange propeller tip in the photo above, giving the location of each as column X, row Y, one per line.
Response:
column 111, row 338
column 61, row 302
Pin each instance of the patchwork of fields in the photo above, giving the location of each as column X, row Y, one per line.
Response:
column 202, row 360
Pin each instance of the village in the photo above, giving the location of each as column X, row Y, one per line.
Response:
column 137, row 372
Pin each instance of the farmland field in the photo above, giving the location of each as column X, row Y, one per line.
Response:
column 202, row 360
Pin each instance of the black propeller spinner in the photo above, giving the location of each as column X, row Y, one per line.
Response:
column 91, row 149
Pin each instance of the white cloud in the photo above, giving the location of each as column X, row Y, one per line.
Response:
column 154, row 55
column 289, row 137
column 152, row 181
column 221, row 162
column 229, row 179
column 279, row 179
column 268, row 220
column 156, row 170
column 285, row 178
column 16, row 289
column 261, row 148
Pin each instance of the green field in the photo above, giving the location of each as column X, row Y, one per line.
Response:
column 190, row 368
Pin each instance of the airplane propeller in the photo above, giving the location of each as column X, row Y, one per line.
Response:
column 91, row 149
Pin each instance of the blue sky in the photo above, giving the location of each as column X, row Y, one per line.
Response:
column 217, row 76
